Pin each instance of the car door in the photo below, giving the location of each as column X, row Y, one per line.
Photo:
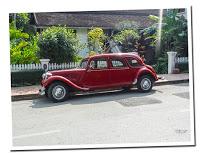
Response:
column 120, row 74
column 97, row 74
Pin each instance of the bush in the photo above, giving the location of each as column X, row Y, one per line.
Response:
column 29, row 77
column 183, row 67
column 59, row 44
column 161, row 67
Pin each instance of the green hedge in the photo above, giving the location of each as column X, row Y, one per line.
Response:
column 184, row 68
column 22, row 78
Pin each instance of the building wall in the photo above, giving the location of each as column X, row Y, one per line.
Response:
column 82, row 35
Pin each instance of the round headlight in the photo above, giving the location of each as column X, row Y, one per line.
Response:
column 43, row 76
column 46, row 75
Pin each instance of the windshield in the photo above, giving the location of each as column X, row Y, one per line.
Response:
column 83, row 64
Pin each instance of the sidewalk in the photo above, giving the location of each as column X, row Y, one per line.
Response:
column 31, row 92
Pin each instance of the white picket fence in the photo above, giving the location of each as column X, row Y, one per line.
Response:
column 54, row 66
column 181, row 60
column 51, row 66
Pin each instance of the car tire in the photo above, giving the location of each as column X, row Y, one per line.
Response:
column 46, row 93
column 145, row 83
column 58, row 92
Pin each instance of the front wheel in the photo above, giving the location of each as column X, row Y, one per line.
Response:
column 58, row 92
column 145, row 83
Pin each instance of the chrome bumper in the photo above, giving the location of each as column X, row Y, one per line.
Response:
column 42, row 91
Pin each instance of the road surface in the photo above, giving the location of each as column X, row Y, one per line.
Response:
column 117, row 117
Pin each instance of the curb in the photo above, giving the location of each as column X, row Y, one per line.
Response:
column 25, row 97
column 171, row 82
column 36, row 96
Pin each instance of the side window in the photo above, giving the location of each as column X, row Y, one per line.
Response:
column 99, row 64
column 117, row 63
column 133, row 62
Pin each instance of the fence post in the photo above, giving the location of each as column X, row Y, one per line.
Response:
column 171, row 61
column 45, row 64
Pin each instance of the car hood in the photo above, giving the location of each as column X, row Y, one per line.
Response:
column 66, row 71
column 73, row 75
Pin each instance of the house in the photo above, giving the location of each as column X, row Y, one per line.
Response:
column 83, row 21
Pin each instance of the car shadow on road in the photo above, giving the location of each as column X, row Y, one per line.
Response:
column 92, row 98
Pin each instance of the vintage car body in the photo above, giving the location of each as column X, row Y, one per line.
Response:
column 103, row 71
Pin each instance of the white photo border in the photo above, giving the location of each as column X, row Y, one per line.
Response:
column 192, row 142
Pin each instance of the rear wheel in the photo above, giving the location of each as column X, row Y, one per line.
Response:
column 58, row 92
column 145, row 83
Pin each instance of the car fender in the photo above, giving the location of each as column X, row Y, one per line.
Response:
column 51, row 79
column 144, row 71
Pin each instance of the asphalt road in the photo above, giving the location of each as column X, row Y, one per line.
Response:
column 162, row 115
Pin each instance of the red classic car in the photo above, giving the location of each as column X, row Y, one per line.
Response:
column 103, row 71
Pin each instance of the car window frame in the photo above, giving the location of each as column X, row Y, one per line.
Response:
column 96, row 58
column 120, row 59
column 139, row 62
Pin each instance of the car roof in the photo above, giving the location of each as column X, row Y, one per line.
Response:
column 132, row 54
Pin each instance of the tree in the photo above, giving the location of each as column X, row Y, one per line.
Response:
column 59, row 44
column 174, row 33
column 96, row 39
column 22, row 21
column 23, row 46
column 173, row 37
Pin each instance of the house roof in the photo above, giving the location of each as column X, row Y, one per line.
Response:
column 104, row 19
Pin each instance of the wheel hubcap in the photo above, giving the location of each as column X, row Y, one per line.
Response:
column 58, row 92
column 145, row 84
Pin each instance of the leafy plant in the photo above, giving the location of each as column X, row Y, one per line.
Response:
column 23, row 47
column 128, row 39
column 174, row 33
column 91, row 53
column 161, row 67
column 22, row 20
column 96, row 39
column 173, row 37
column 59, row 44
column 148, row 38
